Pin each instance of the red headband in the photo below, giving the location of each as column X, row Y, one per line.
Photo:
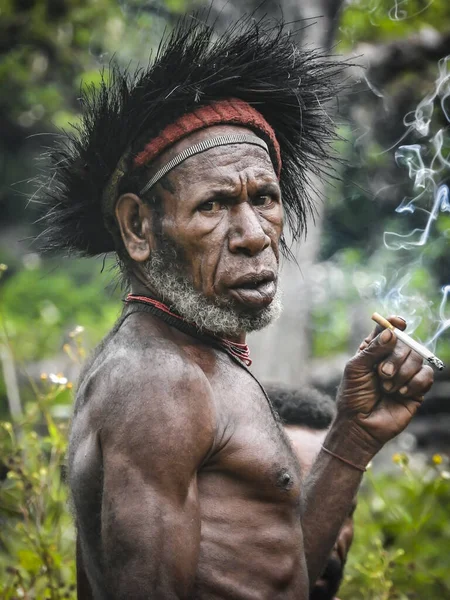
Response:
column 222, row 112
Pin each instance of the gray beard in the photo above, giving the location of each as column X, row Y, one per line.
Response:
column 166, row 276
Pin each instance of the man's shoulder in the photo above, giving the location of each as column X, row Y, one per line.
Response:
column 148, row 401
column 159, row 394
column 160, row 365
column 153, row 374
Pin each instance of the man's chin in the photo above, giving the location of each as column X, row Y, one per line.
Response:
column 227, row 315
column 252, row 312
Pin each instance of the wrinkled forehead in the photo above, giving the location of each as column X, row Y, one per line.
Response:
column 221, row 165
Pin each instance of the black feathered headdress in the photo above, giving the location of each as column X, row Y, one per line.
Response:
column 254, row 61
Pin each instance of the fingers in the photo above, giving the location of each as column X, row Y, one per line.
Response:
column 366, row 342
column 419, row 384
column 375, row 350
column 414, row 386
column 397, row 369
column 400, row 370
column 396, row 321
column 403, row 371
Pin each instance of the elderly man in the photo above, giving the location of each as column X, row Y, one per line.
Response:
column 183, row 482
column 307, row 415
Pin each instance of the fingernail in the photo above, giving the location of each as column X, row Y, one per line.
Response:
column 403, row 389
column 387, row 368
column 401, row 318
column 388, row 385
column 386, row 336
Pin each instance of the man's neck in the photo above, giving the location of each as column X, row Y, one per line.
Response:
column 138, row 288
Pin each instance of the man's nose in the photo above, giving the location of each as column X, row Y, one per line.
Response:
column 246, row 232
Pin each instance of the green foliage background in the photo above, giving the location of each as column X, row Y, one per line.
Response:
column 402, row 534
column 48, row 49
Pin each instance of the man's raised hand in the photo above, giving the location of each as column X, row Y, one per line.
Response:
column 383, row 385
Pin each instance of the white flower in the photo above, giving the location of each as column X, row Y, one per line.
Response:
column 59, row 379
column 78, row 329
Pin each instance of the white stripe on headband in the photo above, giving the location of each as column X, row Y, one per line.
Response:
column 222, row 140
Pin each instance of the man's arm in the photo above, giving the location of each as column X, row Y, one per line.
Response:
column 368, row 416
column 84, row 591
column 150, row 511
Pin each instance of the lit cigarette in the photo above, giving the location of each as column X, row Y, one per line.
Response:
column 406, row 339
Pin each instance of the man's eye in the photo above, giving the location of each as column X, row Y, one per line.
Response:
column 211, row 206
column 263, row 201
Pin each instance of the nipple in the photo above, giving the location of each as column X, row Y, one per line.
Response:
column 285, row 479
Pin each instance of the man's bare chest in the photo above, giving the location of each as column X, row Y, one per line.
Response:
column 249, row 495
column 250, row 445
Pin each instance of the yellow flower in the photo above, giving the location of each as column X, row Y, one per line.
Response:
column 437, row 459
column 44, row 376
column 400, row 458
column 69, row 385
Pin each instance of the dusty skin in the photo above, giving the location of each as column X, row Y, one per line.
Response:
column 184, row 484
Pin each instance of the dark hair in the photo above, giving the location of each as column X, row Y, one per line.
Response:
column 255, row 61
column 304, row 406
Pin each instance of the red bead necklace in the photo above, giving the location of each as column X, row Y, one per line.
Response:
column 240, row 351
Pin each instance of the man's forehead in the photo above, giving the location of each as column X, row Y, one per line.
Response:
column 220, row 164
column 225, row 166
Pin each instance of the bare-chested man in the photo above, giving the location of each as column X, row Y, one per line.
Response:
column 183, row 482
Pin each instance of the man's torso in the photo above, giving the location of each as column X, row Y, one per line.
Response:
column 248, row 483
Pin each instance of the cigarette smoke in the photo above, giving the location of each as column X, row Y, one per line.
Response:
column 400, row 10
column 389, row 282
column 444, row 319
column 427, row 167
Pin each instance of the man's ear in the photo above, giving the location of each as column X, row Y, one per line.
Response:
column 134, row 218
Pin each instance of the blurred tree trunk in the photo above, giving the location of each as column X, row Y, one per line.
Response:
column 281, row 352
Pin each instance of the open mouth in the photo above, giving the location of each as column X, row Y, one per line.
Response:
column 256, row 289
column 252, row 285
